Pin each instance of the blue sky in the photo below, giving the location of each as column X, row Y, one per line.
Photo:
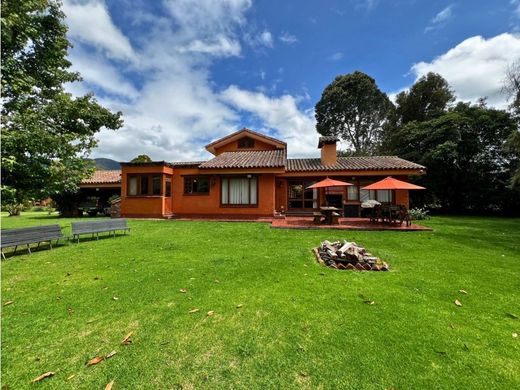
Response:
column 185, row 72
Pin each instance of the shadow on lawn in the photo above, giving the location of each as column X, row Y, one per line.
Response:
column 44, row 246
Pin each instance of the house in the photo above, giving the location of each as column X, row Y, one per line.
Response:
column 250, row 176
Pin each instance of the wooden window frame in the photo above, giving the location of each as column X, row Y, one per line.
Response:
column 191, row 177
column 149, row 193
column 244, row 206
column 249, row 143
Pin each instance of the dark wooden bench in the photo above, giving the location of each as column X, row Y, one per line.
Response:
column 30, row 235
column 317, row 216
column 96, row 227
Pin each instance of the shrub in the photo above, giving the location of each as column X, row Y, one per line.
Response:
column 418, row 213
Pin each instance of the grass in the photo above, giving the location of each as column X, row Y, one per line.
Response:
column 300, row 325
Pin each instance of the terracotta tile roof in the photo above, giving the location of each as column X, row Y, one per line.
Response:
column 351, row 164
column 186, row 164
column 328, row 139
column 248, row 159
column 104, row 177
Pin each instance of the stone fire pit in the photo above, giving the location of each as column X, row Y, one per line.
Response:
column 348, row 255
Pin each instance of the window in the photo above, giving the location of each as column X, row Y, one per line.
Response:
column 239, row 191
column 352, row 193
column 144, row 185
column 300, row 197
column 156, row 185
column 246, row 143
column 384, row 196
column 132, row 185
column 196, row 185
column 168, row 189
column 365, row 195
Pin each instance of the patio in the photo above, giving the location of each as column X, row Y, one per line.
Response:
column 304, row 222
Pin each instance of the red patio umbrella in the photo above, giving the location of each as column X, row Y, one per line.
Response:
column 329, row 183
column 389, row 183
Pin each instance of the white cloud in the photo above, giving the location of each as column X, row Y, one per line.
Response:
column 287, row 38
column 336, row 56
column 476, row 67
column 369, row 5
column 90, row 22
column 295, row 127
column 260, row 40
column 174, row 108
column 98, row 71
column 440, row 18
column 516, row 5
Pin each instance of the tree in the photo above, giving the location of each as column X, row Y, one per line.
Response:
column 468, row 165
column 511, row 86
column 353, row 108
column 142, row 158
column 46, row 133
column 427, row 99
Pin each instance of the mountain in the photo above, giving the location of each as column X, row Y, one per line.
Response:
column 106, row 163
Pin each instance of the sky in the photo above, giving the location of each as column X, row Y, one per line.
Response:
column 187, row 72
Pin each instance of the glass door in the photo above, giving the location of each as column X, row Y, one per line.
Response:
column 301, row 198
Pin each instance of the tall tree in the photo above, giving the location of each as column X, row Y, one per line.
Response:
column 142, row 158
column 354, row 109
column 511, row 88
column 464, row 151
column 427, row 99
column 46, row 133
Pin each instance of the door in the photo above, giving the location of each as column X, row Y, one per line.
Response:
column 301, row 198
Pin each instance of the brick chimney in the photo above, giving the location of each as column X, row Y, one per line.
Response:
column 328, row 150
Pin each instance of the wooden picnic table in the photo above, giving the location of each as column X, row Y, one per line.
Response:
column 329, row 211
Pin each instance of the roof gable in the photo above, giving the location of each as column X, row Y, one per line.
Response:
column 234, row 137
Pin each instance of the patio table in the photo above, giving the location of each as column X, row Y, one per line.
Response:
column 328, row 211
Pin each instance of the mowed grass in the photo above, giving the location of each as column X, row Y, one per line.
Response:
column 300, row 325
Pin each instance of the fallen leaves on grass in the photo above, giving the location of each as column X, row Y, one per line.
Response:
column 457, row 302
column 369, row 302
column 463, row 291
column 239, row 306
column 110, row 354
column 127, row 339
column 210, row 313
column 71, row 376
column 193, row 311
column 94, row 361
column 43, row 376
column 109, row 385
column 115, row 298
column 8, row 303
column 183, row 290
column 70, row 310
column 515, row 335
column 511, row 315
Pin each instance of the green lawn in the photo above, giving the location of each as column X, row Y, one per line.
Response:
column 300, row 325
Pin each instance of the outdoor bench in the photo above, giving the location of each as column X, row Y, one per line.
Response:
column 30, row 235
column 317, row 216
column 96, row 227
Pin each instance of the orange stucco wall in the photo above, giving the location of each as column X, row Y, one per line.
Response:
column 402, row 197
column 233, row 147
column 210, row 204
column 328, row 154
column 272, row 192
column 147, row 205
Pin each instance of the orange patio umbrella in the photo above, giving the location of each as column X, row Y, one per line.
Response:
column 389, row 183
column 329, row 183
